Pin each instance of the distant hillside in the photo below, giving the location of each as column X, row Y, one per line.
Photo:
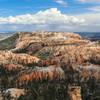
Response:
column 90, row 35
column 8, row 43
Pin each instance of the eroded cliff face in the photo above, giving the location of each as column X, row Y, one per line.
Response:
column 49, row 57
column 65, row 47
column 44, row 39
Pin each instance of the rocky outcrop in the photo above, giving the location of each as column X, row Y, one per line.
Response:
column 12, row 94
column 75, row 93
column 73, row 54
column 40, row 73
column 21, row 58
column 11, row 66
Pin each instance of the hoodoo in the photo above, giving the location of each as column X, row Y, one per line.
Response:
column 46, row 63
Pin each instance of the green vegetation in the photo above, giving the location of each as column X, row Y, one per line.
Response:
column 46, row 91
column 8, row 43
column 45, row 55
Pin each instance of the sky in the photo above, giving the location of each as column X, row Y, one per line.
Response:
column 50, row 15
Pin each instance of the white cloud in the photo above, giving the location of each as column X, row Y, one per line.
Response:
column 50, row 16
column 51, row 20
column 61, row 2
column 91, row 19
column 92, row 22
column 89, row 1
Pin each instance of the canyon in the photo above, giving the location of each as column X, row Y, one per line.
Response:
column 58, row 64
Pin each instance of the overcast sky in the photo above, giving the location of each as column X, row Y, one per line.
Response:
column 50, row 15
